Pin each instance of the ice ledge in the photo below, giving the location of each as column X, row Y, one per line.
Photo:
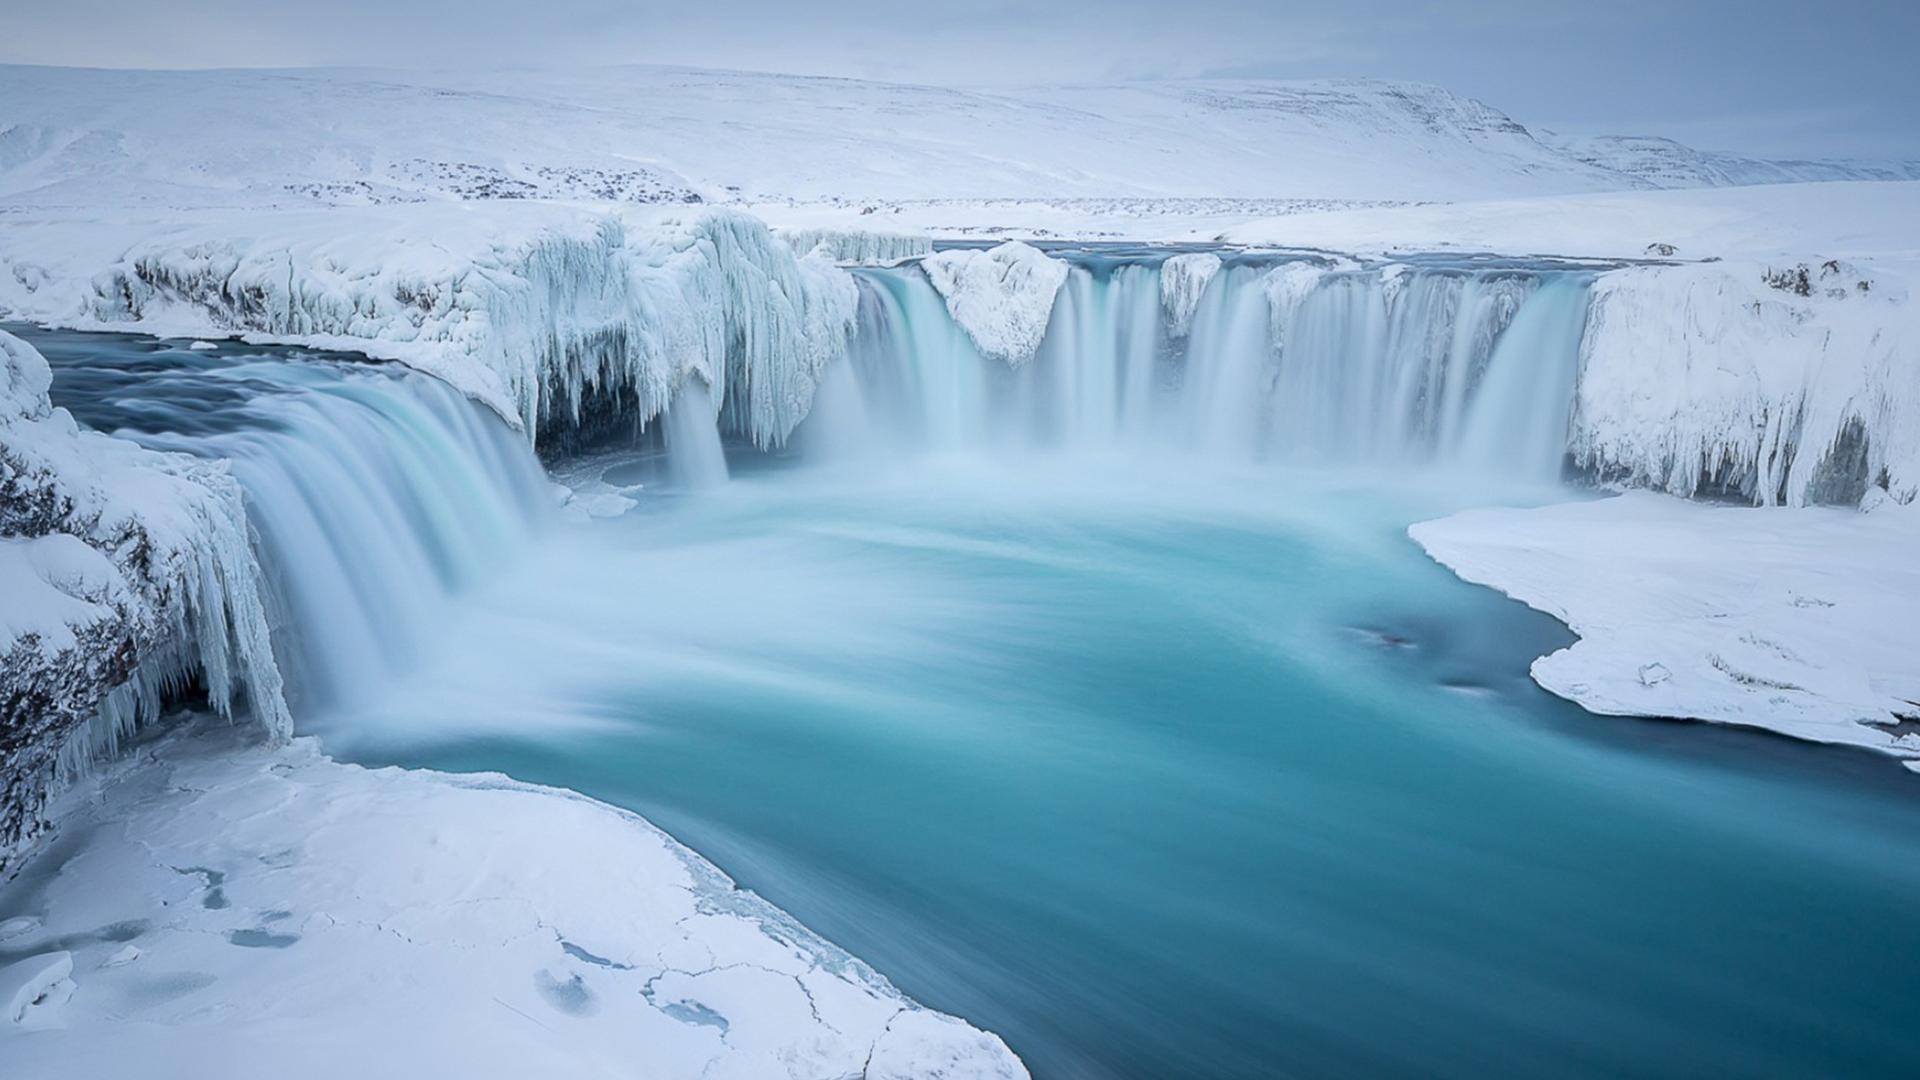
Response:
column 1794, row 620
column 293, row 915
column 1002, row 297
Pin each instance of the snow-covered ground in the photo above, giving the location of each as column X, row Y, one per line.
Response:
column 1858, row 220
column 216, row 908
column 1796, row 621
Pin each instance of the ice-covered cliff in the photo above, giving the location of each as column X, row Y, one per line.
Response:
column 127, row 573
column 1789, row 384
column 540, row 310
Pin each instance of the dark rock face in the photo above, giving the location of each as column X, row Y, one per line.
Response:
column 44, row 699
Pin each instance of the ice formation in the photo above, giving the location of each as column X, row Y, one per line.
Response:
column 541, row 311
column 1002, row 297
column 1183, row 279
column 130, row 571
column 857, row 247
column 1705, row 378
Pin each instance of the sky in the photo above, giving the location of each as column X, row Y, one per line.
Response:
column 1770, row 77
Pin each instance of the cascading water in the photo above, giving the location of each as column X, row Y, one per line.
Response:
column 1289, row 360
column 695, row 458
column 374, row 493
column 1154, row 770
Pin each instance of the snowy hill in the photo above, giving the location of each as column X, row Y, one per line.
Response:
column 72, row 138
column 1664, row 163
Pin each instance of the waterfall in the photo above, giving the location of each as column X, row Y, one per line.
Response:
column 695, row 459
column 374, row 496
column 1288, row 360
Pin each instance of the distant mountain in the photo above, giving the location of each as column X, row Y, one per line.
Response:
column 81, row 138
column 85, row 137
column 1664, row 163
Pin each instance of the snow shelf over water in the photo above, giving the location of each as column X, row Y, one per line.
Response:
column 326, row 920
column 1794, row 620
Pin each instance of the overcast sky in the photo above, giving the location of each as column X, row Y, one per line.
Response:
column 1780, row 77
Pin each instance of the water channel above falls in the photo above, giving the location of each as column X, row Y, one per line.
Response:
column 1104, row 703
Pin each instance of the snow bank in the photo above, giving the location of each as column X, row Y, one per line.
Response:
column 1706, row 378
column 540, row 310
column 1795, row 620
column 123, row 571
column 856, row 247
column 1183, row 280
column 300, row 918
column 1002, row 297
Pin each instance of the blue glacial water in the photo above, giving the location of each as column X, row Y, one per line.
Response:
column 1163, row 782
column 1159, row 764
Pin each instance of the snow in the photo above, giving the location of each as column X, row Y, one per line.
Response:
column 36, row 982
column 1183, row 280
column 1798, row 621
column 1002, row 297
column 53, row 584
column 278, row 912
